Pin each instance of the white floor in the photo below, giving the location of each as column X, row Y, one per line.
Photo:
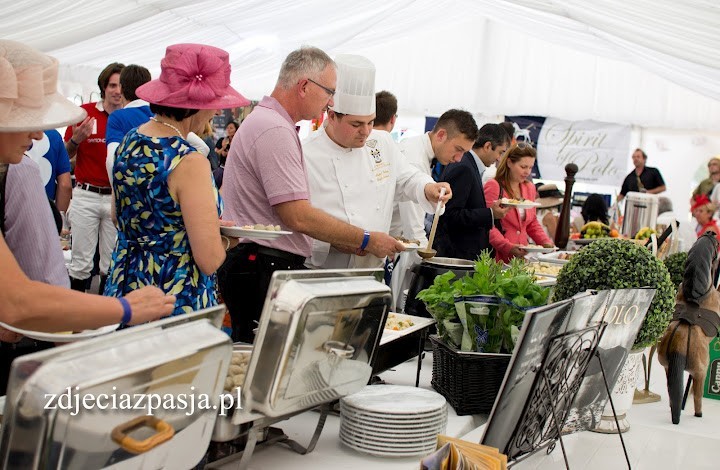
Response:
column 653, row 442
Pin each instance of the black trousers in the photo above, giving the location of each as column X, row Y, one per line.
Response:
column 10, row 351
column 243, row 281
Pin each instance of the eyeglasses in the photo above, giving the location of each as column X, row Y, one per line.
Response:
column 329, row 91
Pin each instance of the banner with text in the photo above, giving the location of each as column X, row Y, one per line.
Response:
column 600, row 150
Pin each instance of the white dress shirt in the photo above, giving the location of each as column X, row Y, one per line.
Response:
column 358, row 186
column 408, row 218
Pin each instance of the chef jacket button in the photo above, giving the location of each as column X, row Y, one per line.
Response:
column 347, row 185
column 377, row 208
column 518, row 232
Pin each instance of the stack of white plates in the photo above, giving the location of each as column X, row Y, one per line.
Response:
column 392, row 420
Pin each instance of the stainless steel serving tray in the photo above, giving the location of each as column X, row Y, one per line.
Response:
column 185, row 355
column 317, row 337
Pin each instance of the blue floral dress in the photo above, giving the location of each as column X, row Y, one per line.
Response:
column 152, row 247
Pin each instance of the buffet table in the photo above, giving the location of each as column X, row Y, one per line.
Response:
column 330, row 453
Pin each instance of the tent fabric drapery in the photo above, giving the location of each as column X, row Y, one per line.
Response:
column 648, row 63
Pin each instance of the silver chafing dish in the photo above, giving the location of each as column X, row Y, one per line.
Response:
column 184, row 356
column 316, row 341
column 317, row 338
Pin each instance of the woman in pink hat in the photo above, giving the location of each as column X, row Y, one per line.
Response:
column 30, row 103
column 167, row 205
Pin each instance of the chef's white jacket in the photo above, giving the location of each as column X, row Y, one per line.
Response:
column 359, row 186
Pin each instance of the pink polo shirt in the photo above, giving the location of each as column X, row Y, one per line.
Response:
column 265, row 167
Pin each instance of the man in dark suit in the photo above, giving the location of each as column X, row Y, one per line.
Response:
column 463, row 231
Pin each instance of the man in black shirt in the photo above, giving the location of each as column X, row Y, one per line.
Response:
column 643, row 179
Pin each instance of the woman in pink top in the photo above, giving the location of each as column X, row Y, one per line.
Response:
column 511, row 182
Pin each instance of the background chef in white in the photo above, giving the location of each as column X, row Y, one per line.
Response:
column 355, row 172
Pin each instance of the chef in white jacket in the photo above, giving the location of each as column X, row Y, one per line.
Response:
column 355, row 172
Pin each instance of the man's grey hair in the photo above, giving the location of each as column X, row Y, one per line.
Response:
column 306, row 62
column 664, row 205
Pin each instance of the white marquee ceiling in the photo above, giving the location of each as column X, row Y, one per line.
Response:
column 651, row 63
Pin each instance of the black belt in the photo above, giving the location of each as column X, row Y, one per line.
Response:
column 95, row 189
column 285, row 255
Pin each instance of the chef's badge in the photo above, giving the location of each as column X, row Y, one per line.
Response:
column 376, row 155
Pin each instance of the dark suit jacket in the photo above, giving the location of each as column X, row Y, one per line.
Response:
column 463, row 231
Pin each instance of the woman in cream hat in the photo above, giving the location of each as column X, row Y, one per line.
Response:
column 29, row 103
column 167, row 205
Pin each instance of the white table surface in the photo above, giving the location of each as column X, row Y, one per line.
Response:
column 330, row 453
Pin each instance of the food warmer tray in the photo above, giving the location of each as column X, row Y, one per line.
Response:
column 180, row 355
column 397, row 347
column 317, row 337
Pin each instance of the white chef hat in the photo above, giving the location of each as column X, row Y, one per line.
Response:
column 355, row 92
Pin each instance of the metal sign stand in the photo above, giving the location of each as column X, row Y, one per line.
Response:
column 551, row 398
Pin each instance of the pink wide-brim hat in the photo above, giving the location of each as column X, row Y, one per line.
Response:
column 29, row 100
column 193, row 76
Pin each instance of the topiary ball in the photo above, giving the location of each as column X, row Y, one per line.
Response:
column 621, row 264
column 675, row 264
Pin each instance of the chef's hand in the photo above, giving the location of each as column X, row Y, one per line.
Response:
column 149, row 303
column 518, row 252
column 499, row 210
column 83, row 130
column 432, row 192
column 7, row 336
column 382, row 245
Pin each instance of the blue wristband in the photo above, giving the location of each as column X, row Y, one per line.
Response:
column 127, row 311
column 366, row 240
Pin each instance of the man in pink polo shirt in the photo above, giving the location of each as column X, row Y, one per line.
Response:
column 265, row 182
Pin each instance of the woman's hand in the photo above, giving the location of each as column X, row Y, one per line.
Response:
column 517, row 252
column 149, row 303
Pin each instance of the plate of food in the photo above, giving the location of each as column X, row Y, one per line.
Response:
column 538, row 249
column 409, row 244
column 519, row 203
column 557, row 257
column 256, row 231
column 61, row 337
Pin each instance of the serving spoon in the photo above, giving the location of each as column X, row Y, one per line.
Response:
column 428, row 252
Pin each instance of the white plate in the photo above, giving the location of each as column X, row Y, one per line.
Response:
column 239, row 232
column 396, row 400
column 387, row 453
column 520, row 205
column 554, row 257
column 411, row 421
column 385, row 443
column 382, row 428
column 410, row 246
column 538, row 249
column 60, row 337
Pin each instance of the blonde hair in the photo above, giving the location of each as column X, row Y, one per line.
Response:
column 514, row 154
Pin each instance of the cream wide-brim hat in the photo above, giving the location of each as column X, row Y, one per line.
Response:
column 29, row 100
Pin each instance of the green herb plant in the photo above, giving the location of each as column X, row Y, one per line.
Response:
column 514, row 285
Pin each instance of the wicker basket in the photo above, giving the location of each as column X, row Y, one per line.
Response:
column 470, row 381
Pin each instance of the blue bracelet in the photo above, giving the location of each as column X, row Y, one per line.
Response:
column 127, row 311
column 366, row 239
